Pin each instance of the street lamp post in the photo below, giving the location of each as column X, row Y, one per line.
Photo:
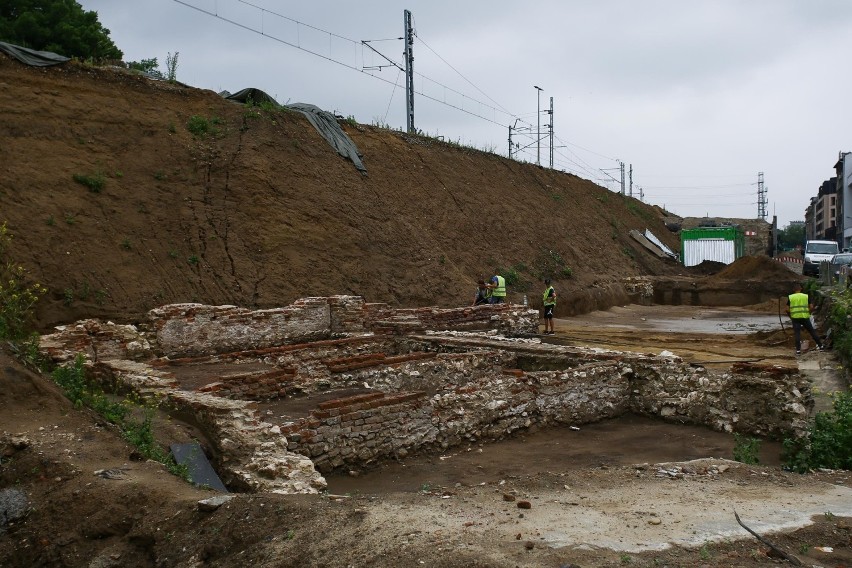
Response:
column 538, row 127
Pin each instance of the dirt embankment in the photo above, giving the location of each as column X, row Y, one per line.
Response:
column 260, row 210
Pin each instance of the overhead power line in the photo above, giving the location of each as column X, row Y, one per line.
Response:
column 262, row 31
column 698, row 186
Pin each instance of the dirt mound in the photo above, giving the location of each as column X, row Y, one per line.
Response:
column 125, row 193
column 757, row 268
column 708, row 267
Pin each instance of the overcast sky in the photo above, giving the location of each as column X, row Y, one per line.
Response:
column 699, row 96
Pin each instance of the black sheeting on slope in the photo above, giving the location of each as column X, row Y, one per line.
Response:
column 256, row 96
column 31, row 56
column 324, row 122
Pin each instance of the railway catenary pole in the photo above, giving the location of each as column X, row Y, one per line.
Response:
column 409, row 73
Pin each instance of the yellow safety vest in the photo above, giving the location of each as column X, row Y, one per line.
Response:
column 500, row 290
column 799, row 306
column 547, row 299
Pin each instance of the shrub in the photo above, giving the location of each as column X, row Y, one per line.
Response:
column 18, row 297
column 828, row 443
column 171, row 66
column 149, row 66
column 198, row 125
column 746, row 450
column 139, row 432
column 840, row 322
column 94, row 182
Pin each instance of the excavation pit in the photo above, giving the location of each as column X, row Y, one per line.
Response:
column 335, row 384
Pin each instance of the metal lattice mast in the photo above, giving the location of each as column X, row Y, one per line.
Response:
column 762, row 200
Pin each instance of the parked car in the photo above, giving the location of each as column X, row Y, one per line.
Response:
column 838, row 260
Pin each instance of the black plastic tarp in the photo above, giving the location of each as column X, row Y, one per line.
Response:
column 255, row 96
column 324, row 122
column 31, row 56
column 327, row 125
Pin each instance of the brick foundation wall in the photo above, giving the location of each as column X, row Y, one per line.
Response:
column 183, row 330
column 363, row 429
column 510, row 319
column 430, row 391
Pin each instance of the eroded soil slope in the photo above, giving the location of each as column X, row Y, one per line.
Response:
column 259, row 210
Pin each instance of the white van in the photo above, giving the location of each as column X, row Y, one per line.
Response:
column 816, row 252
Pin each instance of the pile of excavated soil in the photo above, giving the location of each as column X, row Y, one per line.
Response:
column 708, row 267
column 118, row 207
column 757, row 268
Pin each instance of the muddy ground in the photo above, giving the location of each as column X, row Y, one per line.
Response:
column 631, row 491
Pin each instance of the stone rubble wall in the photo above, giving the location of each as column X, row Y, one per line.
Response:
column 254, row 455
column 508, row 319
column 95, row 340
column 760, row 400
column 186, row 330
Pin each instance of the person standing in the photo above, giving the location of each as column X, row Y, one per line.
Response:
column 549, row 301
column 498, row 289
column 798, row 308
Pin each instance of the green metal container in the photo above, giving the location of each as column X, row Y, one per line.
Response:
column 719, row 244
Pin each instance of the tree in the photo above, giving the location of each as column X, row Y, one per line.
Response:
column 791, row 236
column 60, row 26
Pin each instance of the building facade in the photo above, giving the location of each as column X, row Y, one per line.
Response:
column 821, row 215
column 843, row 167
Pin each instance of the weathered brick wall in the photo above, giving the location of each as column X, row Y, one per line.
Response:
column 347, row 314
column 193, row 329
column 183, row 330
column 510, row 319
column 362, row 429
column 95, row 340
column 433, row 391
column 252, row 386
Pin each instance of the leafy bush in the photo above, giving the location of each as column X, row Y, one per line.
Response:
column 828, row 442
column 746, row 450
column 149, row 66
column 94, row 182
column 198, row 125
column 138, row 432
column 840, row 322
column 18, row 297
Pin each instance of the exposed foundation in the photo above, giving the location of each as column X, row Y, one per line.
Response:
column 327, row 383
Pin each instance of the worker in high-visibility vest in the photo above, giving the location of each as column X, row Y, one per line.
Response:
column 799, row 309
column 483, row 294
column 498, row 289
column 548, row 299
